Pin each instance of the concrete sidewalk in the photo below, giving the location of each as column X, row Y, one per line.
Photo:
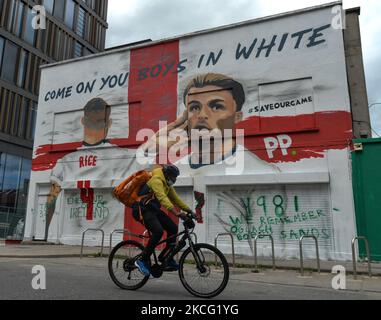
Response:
column 311, row 280
column 31, row 250
column 46, row 251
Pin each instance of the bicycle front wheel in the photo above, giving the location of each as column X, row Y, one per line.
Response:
column 121, row 266
column 199, row 273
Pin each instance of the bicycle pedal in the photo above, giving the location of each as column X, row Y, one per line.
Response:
column 156, row 271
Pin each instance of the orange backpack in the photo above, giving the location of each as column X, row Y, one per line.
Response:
column 127, row 192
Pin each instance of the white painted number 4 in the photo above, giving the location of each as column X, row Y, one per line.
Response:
column 39, row 281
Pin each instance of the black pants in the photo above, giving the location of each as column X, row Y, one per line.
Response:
column 156, row 222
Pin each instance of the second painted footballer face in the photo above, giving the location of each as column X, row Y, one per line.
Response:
column 212, row 107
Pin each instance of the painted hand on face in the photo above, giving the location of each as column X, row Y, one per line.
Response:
column 55, row 189
column 173, row 133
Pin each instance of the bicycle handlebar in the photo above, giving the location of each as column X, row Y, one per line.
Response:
column 192, row 215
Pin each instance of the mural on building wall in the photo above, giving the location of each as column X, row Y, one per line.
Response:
column 91, row 161
column 264, row 96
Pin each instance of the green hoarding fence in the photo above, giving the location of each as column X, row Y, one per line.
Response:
column 366, row 166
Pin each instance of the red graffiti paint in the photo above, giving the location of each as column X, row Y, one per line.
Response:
column 87, row 197
column 200, row 200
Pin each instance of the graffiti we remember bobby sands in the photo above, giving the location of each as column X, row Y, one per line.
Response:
column 268, row 98
column 283, row 212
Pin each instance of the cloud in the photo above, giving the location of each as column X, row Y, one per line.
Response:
column 168, row 18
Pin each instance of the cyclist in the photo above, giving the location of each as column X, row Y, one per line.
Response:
column 160, row 193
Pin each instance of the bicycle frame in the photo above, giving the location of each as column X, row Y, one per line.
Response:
column 180, row 245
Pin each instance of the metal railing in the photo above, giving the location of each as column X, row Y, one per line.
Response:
column 122, row 231
column 354, row 255
column 255, row 246
column 301, row 253
column 83, row 240
column 233, row 249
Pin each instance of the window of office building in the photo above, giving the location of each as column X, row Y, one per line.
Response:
column 2, row 42
column 49, row 5
column 23, row 187
column 16, row 17
column 7, row 113
column 57, row 46
column 33, row 119
column 91, row 3
column 30, row 32
column 69, row 13
column 23, row 119
column 10, row 181
column 14, row 182
column 78, row 50
column 59, row 9
column 81, row 23
column 89, row 29
column 15, row 114
column 8, row 70
column 23, row 64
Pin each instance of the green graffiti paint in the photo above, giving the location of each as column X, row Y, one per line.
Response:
column 78, row 209
column 293, row 234
column 248, row 209
column 296, row 203
column 261, row 202
column 279, row 209
column 281, row 216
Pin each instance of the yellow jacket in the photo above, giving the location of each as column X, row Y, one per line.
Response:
column 165, row 194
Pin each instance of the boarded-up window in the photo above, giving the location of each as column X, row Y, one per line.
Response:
column 70, row 126
column 287, row 212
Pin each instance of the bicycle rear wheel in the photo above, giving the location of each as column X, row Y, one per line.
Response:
column 208, row 281
column 121, row 266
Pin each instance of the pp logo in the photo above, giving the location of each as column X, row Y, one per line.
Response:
column 39, row 281
column 282, row 142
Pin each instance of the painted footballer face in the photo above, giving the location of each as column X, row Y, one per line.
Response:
column 96, row 127
column 212, row 107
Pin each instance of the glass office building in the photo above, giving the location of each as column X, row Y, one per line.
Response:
column 74, row 28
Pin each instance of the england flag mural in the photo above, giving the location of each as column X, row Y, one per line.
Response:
column 271, row 93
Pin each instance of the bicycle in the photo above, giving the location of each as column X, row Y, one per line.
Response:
column 198, row 260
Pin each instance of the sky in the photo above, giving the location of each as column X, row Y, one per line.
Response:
column 136, row 20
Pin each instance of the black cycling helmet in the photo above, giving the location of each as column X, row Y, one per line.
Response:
column 171, row 170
